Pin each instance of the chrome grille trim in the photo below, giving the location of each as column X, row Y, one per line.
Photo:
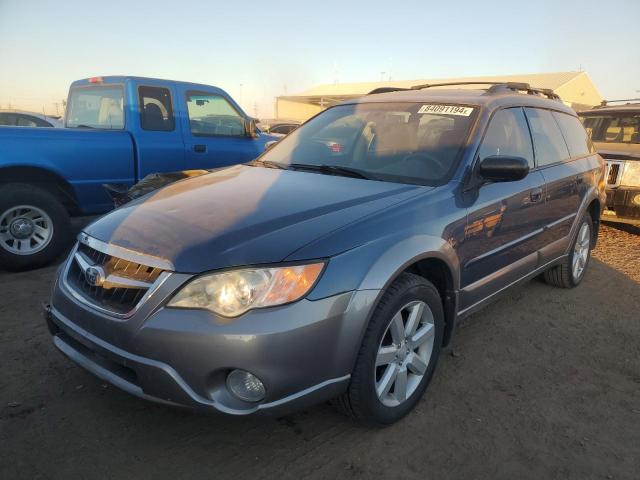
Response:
column 120, row 282
column 615, row 169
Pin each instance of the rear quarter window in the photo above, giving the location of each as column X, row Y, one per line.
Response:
column 548, row 142
column 574, row 134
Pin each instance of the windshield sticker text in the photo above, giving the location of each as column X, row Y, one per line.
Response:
column 446, row 110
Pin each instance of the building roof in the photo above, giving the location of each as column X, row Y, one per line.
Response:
column 539, row 80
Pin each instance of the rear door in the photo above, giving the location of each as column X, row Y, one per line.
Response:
column 505, row 222
column 214, row 132
column 157, row 133
column 562, row 161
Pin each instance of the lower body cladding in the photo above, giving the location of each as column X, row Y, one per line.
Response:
column 300, row 354
column 623, row 205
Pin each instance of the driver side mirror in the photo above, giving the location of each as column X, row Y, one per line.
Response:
column 250, row 129
column 499, row 168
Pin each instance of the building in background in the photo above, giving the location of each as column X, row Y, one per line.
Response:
column 575, row 88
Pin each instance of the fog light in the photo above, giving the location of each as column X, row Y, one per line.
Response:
column 245, row 386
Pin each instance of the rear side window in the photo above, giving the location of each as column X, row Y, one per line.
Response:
column 508, row 135
column 7, row 119
column 574, row 134
column 156, row 112
column 548, row 141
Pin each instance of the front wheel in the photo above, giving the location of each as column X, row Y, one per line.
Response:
column 398, row 355
column 34, row 227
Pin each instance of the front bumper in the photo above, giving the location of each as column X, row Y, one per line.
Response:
column 623, row 205
column 303, row 352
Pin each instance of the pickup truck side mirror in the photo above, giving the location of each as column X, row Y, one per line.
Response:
column 499, row 168
column 250, row 129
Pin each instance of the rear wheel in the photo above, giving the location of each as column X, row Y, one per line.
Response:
column 34, row 227
column 398, row 355
column 571, row 271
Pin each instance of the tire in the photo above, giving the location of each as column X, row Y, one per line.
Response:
column 24, row 209
column 363, row 401
column 564, row 275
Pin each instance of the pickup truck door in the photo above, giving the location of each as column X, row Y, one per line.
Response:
column 214, row 134
column 505, row 219
column 158, row 136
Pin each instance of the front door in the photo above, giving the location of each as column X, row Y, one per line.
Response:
column 215, row 133
column 504, row 222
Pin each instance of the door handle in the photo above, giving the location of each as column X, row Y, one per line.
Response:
column 200, row 148
column 536, row 195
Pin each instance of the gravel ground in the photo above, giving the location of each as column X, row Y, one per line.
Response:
column 543, row 384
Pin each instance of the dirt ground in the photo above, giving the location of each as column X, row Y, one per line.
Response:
column 542, row 384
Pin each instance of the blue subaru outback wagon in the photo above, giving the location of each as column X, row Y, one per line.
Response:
column 337, row 264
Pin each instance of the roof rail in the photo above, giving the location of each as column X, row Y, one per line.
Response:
column 386, row 90
column 604, row 103
column 498, row 87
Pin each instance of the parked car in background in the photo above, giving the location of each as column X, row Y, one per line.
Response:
column 18, row 118
column 118, row 130
column 615, row 130
column 337, row 264
column 278, row 126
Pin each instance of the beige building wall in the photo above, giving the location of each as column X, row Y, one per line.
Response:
column 580, row 93
column 295, row 110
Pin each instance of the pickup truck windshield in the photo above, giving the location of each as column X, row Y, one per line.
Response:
column 96, row 107
column 614, row 128
column 398, row 142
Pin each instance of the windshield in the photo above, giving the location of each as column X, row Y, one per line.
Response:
column 614, row 128
column 96, row 107
column 400, row 142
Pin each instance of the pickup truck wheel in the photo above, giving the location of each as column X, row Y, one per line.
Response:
column 571, row 271
column 34, row 227
column 398, row 355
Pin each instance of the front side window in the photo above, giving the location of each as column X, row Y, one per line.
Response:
column 211, row 114
column 615, row 128
column 508, row 135
column 156, row 112
column 548, row 141
column 398, row 142
column 99, row 107
column 574, row 134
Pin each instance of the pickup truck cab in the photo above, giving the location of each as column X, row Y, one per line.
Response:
column 118, row 130
column 615, row 131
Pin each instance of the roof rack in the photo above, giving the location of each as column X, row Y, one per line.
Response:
column 604, row 103
column 386, row 90
column 498, row 87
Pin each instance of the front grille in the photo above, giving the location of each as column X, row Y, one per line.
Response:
column 124, row 285
column 613, row 173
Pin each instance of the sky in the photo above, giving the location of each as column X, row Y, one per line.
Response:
column 259, row 50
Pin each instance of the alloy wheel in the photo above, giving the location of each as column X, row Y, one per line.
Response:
column 581, row 251
column 404, row 353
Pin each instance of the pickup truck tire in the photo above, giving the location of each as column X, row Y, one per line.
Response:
column 395, row 364
column 34, row 227
column 571, row 271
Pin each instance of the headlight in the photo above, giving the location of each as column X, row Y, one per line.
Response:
column 631, row 174
column 234, row 292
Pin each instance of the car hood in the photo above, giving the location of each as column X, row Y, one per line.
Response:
column 618, row 150
column 242, row 215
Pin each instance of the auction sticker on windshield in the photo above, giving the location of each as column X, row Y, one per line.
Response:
column 446, row 110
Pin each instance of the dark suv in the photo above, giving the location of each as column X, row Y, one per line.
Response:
column 615, row 130
column 336, row 265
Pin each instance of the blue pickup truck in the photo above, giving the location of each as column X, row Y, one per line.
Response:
column 118, row 130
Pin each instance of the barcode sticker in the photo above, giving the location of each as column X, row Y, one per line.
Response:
column 446, row 110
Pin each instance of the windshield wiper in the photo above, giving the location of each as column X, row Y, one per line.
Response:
column 333, row 170
column 268, row 164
